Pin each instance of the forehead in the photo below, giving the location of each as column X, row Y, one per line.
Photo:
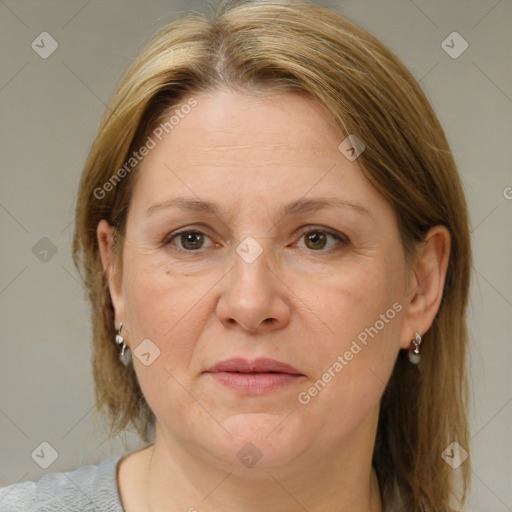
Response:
column 232, row 125
column 239, row 147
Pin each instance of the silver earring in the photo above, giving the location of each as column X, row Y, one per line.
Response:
column 125, row 355
column 414, row 356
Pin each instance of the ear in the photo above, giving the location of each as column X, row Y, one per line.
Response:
column 105, row 235
column 426, row 286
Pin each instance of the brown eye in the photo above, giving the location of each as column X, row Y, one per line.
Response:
column 188, row 240
column 192, row 240
column 317, row 239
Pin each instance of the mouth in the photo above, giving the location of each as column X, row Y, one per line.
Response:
column 256, row 377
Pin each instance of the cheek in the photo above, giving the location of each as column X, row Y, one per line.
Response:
column 165, row 309
column 361, row 297
column 162, row 306
column 362, row 310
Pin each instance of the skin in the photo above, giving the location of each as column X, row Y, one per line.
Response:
column 299, row 302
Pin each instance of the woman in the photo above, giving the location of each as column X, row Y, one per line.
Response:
column 275, row 241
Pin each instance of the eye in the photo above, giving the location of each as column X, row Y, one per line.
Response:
column 316, row 239
column 191, row 240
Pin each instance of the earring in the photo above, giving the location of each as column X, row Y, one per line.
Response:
column 125, row 355
column 414, row 356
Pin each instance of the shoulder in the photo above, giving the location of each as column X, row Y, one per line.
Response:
column 85, row 489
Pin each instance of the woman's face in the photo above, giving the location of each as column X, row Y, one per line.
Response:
column 298, row 260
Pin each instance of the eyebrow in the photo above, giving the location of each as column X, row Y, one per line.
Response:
column 294, row 208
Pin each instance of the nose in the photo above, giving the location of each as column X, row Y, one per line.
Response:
column 254, row 297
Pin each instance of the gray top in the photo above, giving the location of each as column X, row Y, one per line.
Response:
column 86, row 489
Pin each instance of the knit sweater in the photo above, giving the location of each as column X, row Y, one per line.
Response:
column 86, row 489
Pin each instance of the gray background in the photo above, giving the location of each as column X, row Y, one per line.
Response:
column 50, row 110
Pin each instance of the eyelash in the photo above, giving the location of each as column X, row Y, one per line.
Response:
column 342, row 239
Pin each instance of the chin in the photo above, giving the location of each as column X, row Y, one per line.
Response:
column 260, row 440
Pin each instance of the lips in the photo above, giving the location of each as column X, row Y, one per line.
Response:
column 259, row 377
column 261, row 365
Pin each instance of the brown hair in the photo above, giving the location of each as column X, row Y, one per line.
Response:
column 302, row 47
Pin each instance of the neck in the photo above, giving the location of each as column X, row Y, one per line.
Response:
column 330, row 482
